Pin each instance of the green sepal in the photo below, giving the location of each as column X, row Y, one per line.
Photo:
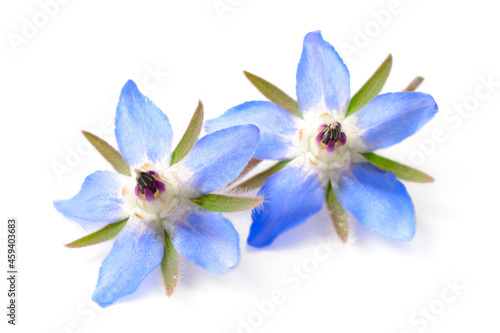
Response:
column 108, row 232
column 401, row 171
column 169, row 266
column 109, row 153
column 259, row 179
column 225, row 204
column 190, row 136
column 337, row 214
column 414, row 84
column 274, row 94
column 249, row 167
column 371, row 88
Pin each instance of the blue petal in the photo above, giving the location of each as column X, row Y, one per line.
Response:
column 390, row 118
column 137, row 250
column 142, row 130
column 378, row 200
column 208, row 240
column 291, row 196
column 218, row 158
column 323, row 82
column 99, row 199
column 278, row 128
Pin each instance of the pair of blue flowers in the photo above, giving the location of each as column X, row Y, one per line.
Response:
column 161, row 202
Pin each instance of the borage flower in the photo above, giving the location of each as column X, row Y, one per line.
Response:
column 325, row 141
column 158, row 197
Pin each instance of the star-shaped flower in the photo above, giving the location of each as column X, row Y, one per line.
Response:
column 327, row 139
column 155, row 204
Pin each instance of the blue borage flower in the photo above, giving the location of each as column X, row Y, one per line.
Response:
column 325, row 148
column 156, row 197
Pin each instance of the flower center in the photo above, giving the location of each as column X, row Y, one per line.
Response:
column 330, row 135
column 148, row 186
column 327, row 143
column 153, row 193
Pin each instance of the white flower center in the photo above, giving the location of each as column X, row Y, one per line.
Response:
column 153, row 196
column 325, row 142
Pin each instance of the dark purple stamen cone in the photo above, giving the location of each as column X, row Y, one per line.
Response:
column 327, row 136
column 148, row 185
column 331, row 135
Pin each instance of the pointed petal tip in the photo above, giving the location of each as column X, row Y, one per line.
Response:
column 57, row 204
column 226, row 270
column 427, row 97
column 409, row 237
column 313, row 34
column 406, row 235
column 63, row 207
column 245, row 127
column 130, row 88
column 253, row 128
column 253, row 241
column 230, row 269
column 436, row 108
column 130, row 84
column 253, row 132
column 101, row 300
column 259, row 239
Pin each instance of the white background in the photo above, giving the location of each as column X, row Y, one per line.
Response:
column 67, row 76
